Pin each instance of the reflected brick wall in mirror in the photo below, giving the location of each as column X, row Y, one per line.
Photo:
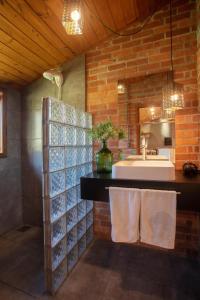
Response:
column 68, row 220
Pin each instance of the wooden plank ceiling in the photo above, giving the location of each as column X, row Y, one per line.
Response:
column 33, row 40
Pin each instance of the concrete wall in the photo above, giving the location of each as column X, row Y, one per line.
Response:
column 10, row 166
column 73, row 92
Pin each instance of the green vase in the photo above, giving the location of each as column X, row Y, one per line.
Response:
column 104, row 159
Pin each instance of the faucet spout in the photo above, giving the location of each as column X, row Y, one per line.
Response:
column 143, row 147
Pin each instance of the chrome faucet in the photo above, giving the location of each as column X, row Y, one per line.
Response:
column 143, row 147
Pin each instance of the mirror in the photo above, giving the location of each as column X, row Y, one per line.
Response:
column 141, row 115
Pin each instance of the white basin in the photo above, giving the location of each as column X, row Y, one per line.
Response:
column 149, row 157
column 144, row 169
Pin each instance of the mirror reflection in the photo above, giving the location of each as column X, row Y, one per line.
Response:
column 150, row 129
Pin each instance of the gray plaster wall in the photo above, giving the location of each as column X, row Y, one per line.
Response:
column 10, row 166
column 73, row 92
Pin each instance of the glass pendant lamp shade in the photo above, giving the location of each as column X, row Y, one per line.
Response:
column 172, row 91
column 72, row 19
column 172, row 96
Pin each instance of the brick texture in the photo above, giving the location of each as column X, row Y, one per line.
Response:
column 148, row 52
column 145, row 53
column 187, row 229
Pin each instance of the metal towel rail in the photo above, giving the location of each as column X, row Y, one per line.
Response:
column 178, row 193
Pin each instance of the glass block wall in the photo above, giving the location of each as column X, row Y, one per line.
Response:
column 68, row 220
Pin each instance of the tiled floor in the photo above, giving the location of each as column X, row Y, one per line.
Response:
column 114, row 271
column 21, row 263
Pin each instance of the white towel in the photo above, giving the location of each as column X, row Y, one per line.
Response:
column 158, row 218
column 125, row 210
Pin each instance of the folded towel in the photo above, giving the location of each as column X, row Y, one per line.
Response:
column 158, row 218
column 125, row 210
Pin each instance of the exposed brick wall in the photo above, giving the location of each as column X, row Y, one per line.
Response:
column 187, row 229
column 198, row 57
column 145, row 53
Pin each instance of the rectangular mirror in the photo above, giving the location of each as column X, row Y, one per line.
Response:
column 142, row 116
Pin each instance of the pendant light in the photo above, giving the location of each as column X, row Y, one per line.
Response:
column 172, row 91
column 72, row 18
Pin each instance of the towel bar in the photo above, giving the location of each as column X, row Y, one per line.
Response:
column 178, row 193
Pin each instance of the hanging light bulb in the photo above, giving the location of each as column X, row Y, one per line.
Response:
column 172, row 91
column 72, row 18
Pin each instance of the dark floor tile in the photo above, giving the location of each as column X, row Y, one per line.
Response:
column 88, row 278
column 120, row 288
column 9, row 293
column 21, row 261
column 177, row 294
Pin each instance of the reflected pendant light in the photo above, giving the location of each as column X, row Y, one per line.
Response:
column 72, row 19
column 172, row 91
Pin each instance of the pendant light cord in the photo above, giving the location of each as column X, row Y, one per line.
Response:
column 141, row 27
column 171, row 39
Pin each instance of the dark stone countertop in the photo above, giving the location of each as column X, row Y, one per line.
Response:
column 93, row 187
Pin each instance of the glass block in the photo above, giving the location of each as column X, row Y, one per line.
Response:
column 89, row 205
column 70, row 156
column 81, row 228
column 81, row 246
column 80, row 118
column 78, row 193
column 58, row 230
column 57, row 207
column 81, row 155
column 56, row 159
column 89, row 154
column 89, row 219
column 70, row 114
column 71, row 239
column 57, row 183
column 88, row 139
column 70, row 177
column 56, row 134
column 69, row 135
column 80, row 136
column 71, row 199
column 80, row 171
column 81, row 210
column 88, row 120
column 71, row 218
column 72, row 258
column 56, row 111
column 88, row 168
column 89, row 235
column 58, row 253
column 59, row 275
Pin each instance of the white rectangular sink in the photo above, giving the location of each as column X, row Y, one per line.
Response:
column 144, row 170
column 149, row 157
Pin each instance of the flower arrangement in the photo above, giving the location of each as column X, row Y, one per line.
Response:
column 106, row 130
column 101, row 133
